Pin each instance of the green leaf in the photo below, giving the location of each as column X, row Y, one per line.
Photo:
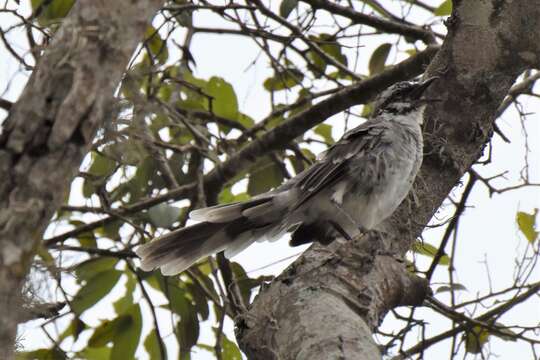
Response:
column 245, row 120
column 88, row 353
column 229, row 350
column 328, row 44
column 527, row 225
column 367, row 109
column 126, row 338
column 155, row 279
column 86, row 270
column 224, row 103
column 156, row 45
column 87, row 238
column 426, row 249
column 188, row 326
column 94, row 290
column 44, row 254
column 129, row 152
column 308, row 154
column 163, row 215
column 284, row 80
column 124, row 302
column 101, row 166
column 411, row 52
column 444, row 9
column 184, row 18
column 226, row 196
column 193, row 96
column 378, row 58
column 54, row 11
column 245, row 283
column 206, row 347
column 286, row 7
column 375, row 6
column 109, row 230
column 318, row 64
column 41, row 354
column 88, row 188
column 75, row 328
column 264, row 176
column 200, row 299
column 475, row 339
column 165, row 91
column 242, row 281
column 105, row 332
column 325, row 131
column 151, row 345
column 332, row 48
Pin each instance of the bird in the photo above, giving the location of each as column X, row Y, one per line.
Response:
column 357, row 183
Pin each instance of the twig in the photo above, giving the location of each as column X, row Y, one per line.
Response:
column 499, row 310
column 312, row 45
column 386, row 26
column 161, row 346
column 451, row 226
column 5, row 104
column 121, row 254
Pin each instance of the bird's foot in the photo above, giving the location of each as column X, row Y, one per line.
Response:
column 340, row 230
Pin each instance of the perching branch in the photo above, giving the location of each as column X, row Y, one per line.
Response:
column 50, row 128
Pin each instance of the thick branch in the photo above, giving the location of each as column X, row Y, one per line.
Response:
column 489, row 44
column 49, row 129
column 317, row 308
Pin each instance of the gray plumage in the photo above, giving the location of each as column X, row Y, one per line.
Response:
column 358, row 182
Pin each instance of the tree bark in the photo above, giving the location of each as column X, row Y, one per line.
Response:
column 327, row 303
column 48, row 132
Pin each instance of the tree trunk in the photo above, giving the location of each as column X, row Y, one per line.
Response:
column 48, row 132
column 327, row 303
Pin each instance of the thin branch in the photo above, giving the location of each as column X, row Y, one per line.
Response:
column 451, row 226
column 161, row 345
column 385, row 26
column 499, row 310
column 12, row 51
column 121, row 254
column 180, row 192
column 494, row 328
column 310, row 43
column 523, row 87
column 6, row 104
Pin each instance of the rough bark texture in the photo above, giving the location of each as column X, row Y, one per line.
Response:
column 328, row 302
column 48, row 131
column 318, row 307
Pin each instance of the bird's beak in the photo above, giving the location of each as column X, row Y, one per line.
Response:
column 421, row 87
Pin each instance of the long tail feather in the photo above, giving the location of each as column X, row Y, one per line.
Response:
column 231, row 227
column 183, row 247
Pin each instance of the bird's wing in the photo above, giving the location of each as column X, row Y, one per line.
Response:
column 227, row 212
column 335, row 162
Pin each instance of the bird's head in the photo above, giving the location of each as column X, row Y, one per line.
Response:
column 403, row 97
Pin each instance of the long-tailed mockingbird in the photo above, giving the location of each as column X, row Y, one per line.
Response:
column 358, row 182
